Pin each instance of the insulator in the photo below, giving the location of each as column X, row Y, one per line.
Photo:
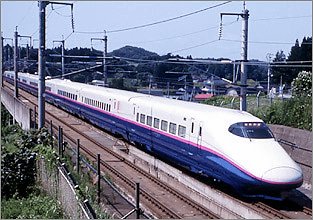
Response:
column 220, row 32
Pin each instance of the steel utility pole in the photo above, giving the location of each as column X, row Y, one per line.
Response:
column 105, row 53
column 41, row 62
column 268, row 56
column 62, row 56
column 41, row 58
column 105, row 56
column 15, row 64
column 244, row 59
column 27, row 48
column 244, row 55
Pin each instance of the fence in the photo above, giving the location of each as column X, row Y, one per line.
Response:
column 58, row 185
column 108, row 196
column 255, row 101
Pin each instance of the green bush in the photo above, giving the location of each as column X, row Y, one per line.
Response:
column 302, row 84
column 295, row 112
column 218, row 100
column 18, row 160
column 34, row 206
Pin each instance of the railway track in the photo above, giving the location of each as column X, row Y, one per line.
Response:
column 166, row 201
column 155, row 203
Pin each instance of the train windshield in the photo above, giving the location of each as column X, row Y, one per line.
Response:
column 256, row 130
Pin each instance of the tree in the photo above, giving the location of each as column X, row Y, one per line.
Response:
column 278, row 71
column 302, row 84
column 297, row 53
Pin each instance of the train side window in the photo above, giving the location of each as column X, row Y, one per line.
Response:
column 182, row 131
column 200, row 131
column 173, row 127
column 156, row 123
column 109, row 108
column 192, row 126
column 164, row 125
column 142, row 118
column 137, row 118
column 149, row 120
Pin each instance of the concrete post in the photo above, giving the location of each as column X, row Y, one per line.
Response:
column 244, row 59
column 41, row 63
column 63, row 64
column 15, row 64
column 105, row 55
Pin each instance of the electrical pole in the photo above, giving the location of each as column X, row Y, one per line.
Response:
column 244, row 55
column 41, row 62
column 63, row 59
column 268, row 72
column 41, row 58
column 62, row 56
column 27, row 48
column 105, row 53
column 105, row 56
column 244, row 60
column 15, row 64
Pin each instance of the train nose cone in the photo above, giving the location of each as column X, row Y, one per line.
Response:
column 283, row 175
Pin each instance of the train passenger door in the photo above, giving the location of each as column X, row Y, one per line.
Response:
column 192, row 137
column 199, row 137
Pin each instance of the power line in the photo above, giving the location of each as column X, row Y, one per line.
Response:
column 184, row 35
column 154, row 23
column 27, row 13
column 46, row 21
column 199, row 45
column 282, row 18
column 262, row 42
column 167, row 20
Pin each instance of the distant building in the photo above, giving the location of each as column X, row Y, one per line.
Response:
column 215, row 86
column 202, row 97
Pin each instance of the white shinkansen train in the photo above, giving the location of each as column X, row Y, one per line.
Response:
column 230, row 145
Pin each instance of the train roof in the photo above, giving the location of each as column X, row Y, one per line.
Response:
column 206, row 112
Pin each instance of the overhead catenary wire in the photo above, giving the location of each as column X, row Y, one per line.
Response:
column 26, row 14
column 154, row 23
column 263, row 42
column 281, row 18
column 186, row 34
column 195, row 46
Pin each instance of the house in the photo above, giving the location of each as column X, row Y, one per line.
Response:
column 202, row 97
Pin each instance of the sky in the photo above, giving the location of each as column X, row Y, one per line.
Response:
column 272, row 26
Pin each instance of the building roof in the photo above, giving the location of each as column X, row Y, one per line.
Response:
column 203, row 96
